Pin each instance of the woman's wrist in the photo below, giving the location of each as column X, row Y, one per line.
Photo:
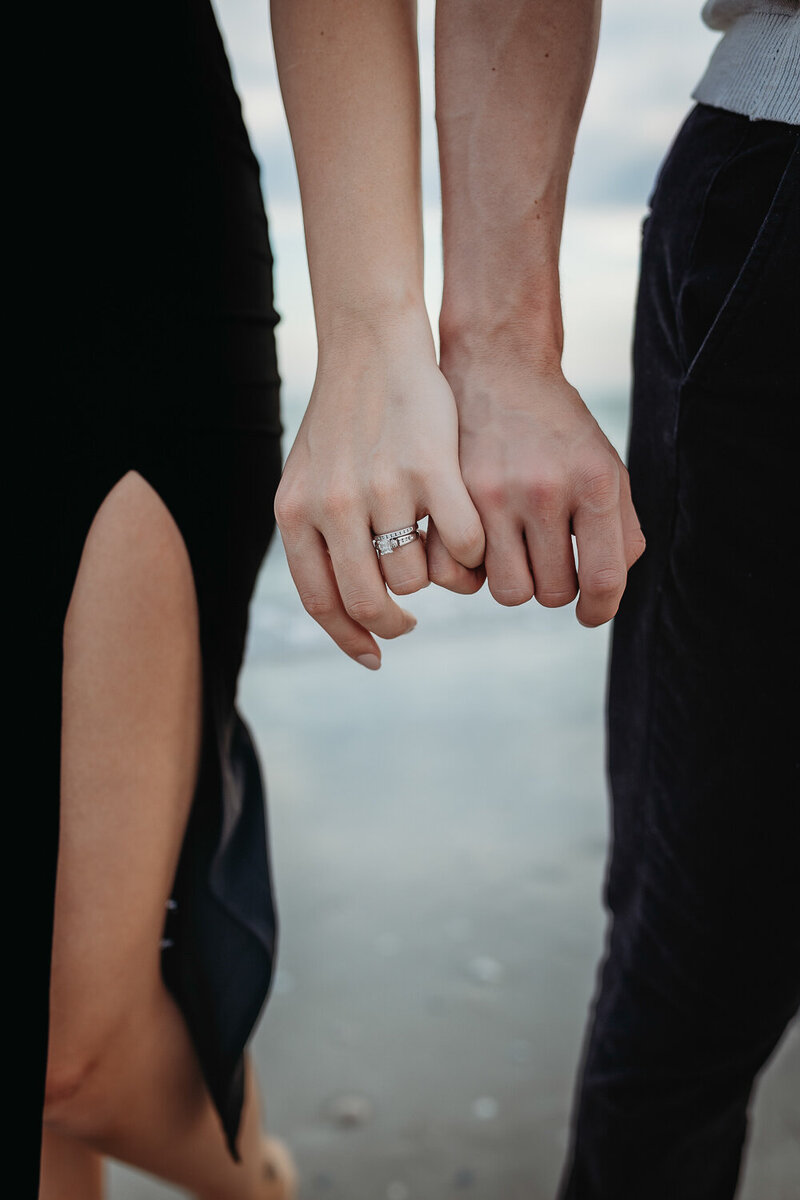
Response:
column 381, row 323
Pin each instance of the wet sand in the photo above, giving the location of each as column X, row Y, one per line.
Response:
column 438, row 837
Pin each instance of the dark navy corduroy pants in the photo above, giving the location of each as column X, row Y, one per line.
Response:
column 702, row 968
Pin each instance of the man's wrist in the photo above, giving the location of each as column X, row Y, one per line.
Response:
column 529, row 340
column 497, row 299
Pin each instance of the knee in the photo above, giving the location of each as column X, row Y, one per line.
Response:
column 81, row 1082
column 70, row 1107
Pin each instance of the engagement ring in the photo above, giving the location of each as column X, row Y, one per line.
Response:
column 387, row 543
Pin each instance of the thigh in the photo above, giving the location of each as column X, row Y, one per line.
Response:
column 700, row 738
column 130, row 741
column 221, row 936
column 720, row 827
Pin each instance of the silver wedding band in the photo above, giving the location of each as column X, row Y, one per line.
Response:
column 387, row 543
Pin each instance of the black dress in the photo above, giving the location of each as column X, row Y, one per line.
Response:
column 153, row 266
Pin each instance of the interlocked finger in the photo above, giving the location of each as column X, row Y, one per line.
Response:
column 507, row 567
column 555, row 581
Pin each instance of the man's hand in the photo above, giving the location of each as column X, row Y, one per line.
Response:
column 511, row 81
column 539, row 469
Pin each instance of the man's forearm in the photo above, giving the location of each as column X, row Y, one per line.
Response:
column 511, row 82
column 350, row 84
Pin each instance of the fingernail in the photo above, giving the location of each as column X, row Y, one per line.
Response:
column 370, row 661
column 414, row 626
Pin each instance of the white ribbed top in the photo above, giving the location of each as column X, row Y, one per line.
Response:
column 755, row 69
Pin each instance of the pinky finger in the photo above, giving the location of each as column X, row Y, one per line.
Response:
column 632, row 535
column 312, row 572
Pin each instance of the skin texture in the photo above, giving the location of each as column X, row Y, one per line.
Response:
column 378, row 446
column 511, row 81
column 122, row 1076
column 492, row 443
column 493, row 431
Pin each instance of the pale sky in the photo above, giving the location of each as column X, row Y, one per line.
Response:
column 651, row 55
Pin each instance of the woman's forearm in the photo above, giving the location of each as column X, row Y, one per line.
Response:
column 377, row 448
column 349, row 77
column 511, row 82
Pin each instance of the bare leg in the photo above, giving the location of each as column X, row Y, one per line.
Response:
column 122, row 1074
column 70, row 1169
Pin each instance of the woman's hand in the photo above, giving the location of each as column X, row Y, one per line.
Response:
column 377, row 450
column 378, row 447
column 540, row 469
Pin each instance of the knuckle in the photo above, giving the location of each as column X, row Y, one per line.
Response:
column 605, row 583
column 443, row 574
column 408, row 584
column 319, row 605
column 365, row 609
column 467, row 545
column 511, row 595
column 335, row 505
column 290, row 510
column 598, row 487
column 489, row 492
column 555, row 597
column 544, row 493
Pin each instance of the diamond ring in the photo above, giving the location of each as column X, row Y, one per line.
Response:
column 387, row 543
